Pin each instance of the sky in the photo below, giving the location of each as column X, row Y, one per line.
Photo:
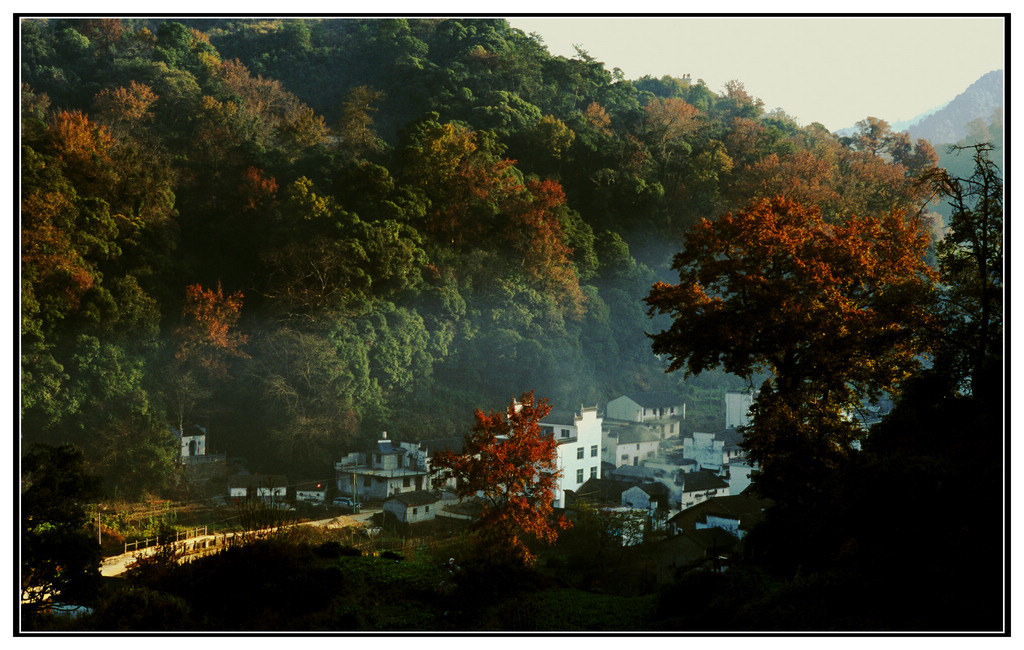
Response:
column 835, row 71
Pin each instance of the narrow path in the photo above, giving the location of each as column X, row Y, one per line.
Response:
column 117, row 564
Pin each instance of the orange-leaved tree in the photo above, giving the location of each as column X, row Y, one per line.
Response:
column 511, row 464
column 208, row 335
column 833, row 313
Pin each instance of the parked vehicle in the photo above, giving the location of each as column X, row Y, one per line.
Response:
column 346, row 501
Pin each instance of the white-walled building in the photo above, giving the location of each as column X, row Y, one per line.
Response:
column 628, row 444
column 700, row 486
column 311, row 491
column 714, row 450
column 270, row 488
column 385, row 470
column 578, row 434
column 413, row 507
column 737, row 408
column 660, row 411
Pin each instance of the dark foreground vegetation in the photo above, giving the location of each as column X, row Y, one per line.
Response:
column 260, row 227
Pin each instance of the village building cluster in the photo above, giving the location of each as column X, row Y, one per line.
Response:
column 637, row 457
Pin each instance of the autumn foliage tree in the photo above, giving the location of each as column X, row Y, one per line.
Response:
column 208, row 335
column 511, row 463
column 834, row 313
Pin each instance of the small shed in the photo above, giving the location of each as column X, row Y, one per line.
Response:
column 412, row 507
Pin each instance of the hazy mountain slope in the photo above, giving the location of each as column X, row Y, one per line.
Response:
column 950, row 124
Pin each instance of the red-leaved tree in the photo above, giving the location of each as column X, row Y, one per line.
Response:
column 509, row 462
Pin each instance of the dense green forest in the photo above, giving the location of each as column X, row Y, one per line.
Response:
column 301, row 233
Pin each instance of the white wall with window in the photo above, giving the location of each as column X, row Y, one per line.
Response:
column 573, row 461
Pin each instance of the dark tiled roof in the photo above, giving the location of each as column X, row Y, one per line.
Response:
column 633, row 473
column 702, row 480
column 740, row 505
column 417, row 498
column 731, row 437
column 654, row 398
column 560, row 416
column 602, row 489
column 633, row 435
column 655, row 489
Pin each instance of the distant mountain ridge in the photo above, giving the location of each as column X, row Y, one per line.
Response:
column 949, row 125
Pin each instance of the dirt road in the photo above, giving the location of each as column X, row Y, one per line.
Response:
column 118, row 564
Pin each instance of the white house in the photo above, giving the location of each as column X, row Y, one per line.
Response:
column 191, row 442
column 578, row 434
column 696, row 487
column 412, row 507
column 740, row 473
column 714, row 450
column 385, row 470
column 272, row 488
column 629, row 444
column 647, row 496
column 737, row 408
column 649, row 405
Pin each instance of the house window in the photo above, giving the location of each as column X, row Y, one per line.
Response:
column 564, row 433
column 593, row 472
column 671, row 428
column 625, row 456
column 579, row 452
column 579, row 476
column 406, row 482
column 593, row 451
column 415, row 510
column 366, row 482
column 638, row 446
column 376, row 457
column 672, row 409
column 426, row 509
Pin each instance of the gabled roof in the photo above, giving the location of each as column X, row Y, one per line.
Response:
column 602, row 489
column 190, row 430
column 741, row 505
column 702, row 480
column 634, row 473
column 634, row 435
column 563, row 417
column 417, row 498
column 654, row 398
column 656, row 490
column 731, row 437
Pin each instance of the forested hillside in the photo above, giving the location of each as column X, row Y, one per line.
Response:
column 301, row 233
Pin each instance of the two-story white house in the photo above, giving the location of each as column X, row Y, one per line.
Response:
column 661, row 411
column 385, row 470
column 578, row 434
